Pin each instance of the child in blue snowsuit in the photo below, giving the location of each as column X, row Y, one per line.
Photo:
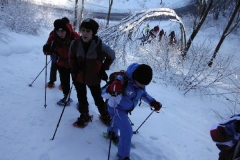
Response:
column 120, row 104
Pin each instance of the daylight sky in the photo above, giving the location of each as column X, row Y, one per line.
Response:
column 179, row 132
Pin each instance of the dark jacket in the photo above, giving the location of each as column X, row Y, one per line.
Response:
column 87, row 60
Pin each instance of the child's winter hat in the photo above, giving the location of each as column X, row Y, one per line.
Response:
column 66, row 19
column 91, row 24
column 156, row 28
column 143, row 74
column 60, row 25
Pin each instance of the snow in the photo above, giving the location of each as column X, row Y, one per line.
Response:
column 118, row 5
column 179, row 132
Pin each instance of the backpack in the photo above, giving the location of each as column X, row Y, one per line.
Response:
column 113, row 76
column 218, row 132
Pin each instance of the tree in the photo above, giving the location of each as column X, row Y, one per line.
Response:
column 221, row 6
column 109, row 11
column 3, row 3
column 75, row 15
column 229, row 28
column 119, row 32
column 81, row 15
column 203, row 12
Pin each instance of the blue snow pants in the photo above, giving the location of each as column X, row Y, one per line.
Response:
column 121, row 123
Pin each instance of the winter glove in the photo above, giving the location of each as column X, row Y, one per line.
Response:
column 104, row 76
column 103, row 73
column 156, row 105
column 46, row 48
column 115, row 88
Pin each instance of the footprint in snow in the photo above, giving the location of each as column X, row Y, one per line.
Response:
column 153, row 138
column 44, row 157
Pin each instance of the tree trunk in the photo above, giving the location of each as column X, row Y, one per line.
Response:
column 75, row 15
column 109, row 11
column 197, row 28
column 225, row 33
column 81, row 16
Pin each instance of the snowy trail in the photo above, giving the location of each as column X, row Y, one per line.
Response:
column 179, row 131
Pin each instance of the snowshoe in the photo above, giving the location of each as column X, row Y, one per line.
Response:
column 115, row 139
column 118, row 158
column 83, row 120
column 60, row 87
column 50, row 84
column 105, row 119
column 64, row 101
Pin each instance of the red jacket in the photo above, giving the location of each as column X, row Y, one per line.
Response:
column 61, row 46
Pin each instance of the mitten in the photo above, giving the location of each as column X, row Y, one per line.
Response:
column 156, row 105
column 104, row 76
column 46, row 48
column 115, row 88
column 103, row 73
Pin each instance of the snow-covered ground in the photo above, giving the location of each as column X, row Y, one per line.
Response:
column 179, row 132
column 118, row 5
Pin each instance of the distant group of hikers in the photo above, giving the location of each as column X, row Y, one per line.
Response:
column 150, row 34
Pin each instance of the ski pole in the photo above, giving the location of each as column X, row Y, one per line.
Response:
column 110, row 142
column 30, row 85
column 65, row 104
column 45, row 105
column 130, row 121
column 135, row 132
column 236, row 150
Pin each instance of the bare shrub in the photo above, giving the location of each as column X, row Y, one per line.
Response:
column 20, row 16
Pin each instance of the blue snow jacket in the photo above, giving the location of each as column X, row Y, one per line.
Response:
column 120, row 105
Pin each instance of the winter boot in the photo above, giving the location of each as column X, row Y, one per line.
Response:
column 119, row 158
column 60, row 87
column 105, row 119
column 64, row 101
column 83, row 120
column 114, row 138
column 50, row 84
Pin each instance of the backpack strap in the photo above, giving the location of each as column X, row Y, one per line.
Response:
column 74, row 45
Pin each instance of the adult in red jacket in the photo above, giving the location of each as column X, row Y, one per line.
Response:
column 57, row 46
column 226, row 135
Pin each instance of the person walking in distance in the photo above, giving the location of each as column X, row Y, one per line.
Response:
column 89, row 58
column 161, row 34
column 172, row 39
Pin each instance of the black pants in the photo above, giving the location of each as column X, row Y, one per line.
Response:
column 65, row 79
column 53, row 72
column 228, row 154
column 82, row 98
